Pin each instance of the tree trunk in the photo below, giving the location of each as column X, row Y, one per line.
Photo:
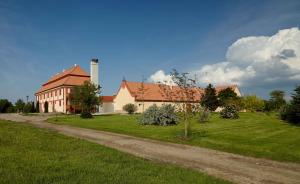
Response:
column 186, row 133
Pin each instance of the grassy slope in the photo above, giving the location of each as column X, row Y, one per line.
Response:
column 31, row 155
column 254, row 134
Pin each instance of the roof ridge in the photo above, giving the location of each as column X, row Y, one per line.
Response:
column 66, row 80
column 68, row 72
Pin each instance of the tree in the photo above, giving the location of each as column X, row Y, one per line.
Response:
column 291, row 112
column 27, row 108
column 277, row 100
column 46, row 105
column 11, row 109
column 253, row 103
column 226, row 96
column 32, row 110
column 141, row 92
column 210, row 99
column 4, row 105
column 87, row 97
column 186, row 91
column 19, row 105
column 37, row 107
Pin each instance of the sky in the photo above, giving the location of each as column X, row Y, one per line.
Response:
column 255, row 44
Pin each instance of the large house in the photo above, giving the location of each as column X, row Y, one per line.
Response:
column 56, row 91
column 143, row 95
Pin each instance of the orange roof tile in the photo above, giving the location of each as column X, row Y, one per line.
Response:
column 108, row 98
column 160, row 92
column 71, row 77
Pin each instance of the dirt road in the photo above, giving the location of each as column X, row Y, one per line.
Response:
column 232, row 167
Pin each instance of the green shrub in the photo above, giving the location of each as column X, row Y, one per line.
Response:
column 86, row 115
column 11, row 109
column 4, row 105
column 27, row 108
column 204, row 115
column 130, row 108
column 150, row 116
column 165, row 115
column 253, row 103
column 229, row 112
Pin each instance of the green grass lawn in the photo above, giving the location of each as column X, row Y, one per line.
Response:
column 254, row 134
column 32, row 155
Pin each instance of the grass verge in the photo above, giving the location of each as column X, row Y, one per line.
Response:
column 31, row 155
column 253, row 134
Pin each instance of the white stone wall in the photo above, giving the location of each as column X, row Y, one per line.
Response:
column 107, row 107
column 123, row 97
column 54, row 97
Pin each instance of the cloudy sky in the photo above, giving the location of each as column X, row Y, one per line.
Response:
column 253, row 44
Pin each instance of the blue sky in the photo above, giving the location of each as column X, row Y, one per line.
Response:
column 132, row 39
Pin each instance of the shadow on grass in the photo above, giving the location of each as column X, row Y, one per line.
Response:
column 192, row 135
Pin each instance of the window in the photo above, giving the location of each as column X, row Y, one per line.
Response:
column 59, row 102
column 60, row 91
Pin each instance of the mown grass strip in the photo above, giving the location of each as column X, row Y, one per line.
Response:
column 254, row 134
column 31, row 155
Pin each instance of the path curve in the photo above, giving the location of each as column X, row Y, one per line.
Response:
column 232, row 167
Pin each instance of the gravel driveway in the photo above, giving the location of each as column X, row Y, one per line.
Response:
column 232, row 167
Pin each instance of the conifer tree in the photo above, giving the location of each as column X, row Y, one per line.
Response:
column 293, row 115
column 37, row 107
column 210, row 99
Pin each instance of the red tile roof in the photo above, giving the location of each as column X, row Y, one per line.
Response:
column 108, row 98
column 164, row 93
column 71, row 77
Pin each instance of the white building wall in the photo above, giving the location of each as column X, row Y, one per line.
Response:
column 107, row 107
column 123, row 97
column 55, row 101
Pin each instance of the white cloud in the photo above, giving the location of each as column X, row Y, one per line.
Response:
column 261, row 61
column 161, row 77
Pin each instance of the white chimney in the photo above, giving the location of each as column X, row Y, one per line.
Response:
column 94, row 72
